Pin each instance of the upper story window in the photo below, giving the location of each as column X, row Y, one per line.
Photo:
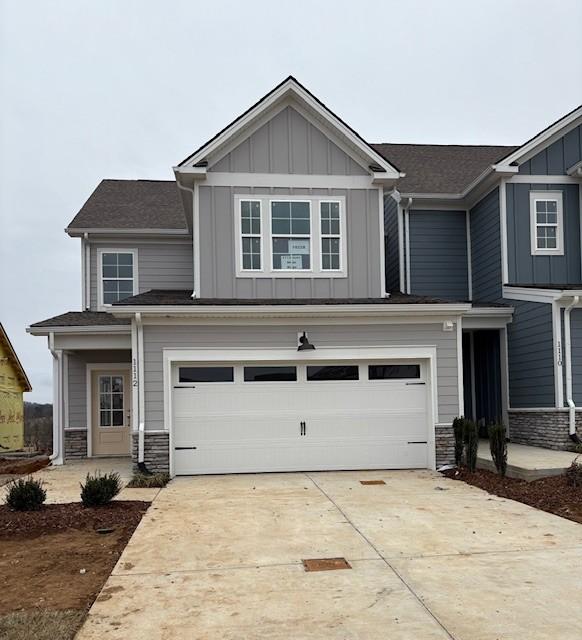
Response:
column 290, row 236
column 117, row 274
column 546, row 223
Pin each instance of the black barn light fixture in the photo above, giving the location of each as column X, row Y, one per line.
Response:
column 304, row 344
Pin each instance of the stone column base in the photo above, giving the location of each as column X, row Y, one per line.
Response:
column 549, row 429
column 75, row 444
column 444, row 444
column 156, row 451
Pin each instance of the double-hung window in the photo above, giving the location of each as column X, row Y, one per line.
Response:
column 546, row 223
column 290, row 236
column 117, row 275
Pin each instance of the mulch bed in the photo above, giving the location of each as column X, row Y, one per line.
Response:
column 54, row 559
column 19, row 466
column 553, row 494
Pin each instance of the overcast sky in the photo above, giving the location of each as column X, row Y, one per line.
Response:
column 126, row 89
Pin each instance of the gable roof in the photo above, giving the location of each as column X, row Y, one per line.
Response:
column 441, row 169
column 153, row 205
column 291, row 87
column 15, row 361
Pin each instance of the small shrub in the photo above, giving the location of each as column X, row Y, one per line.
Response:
column 574, row 474
column 458, row 428
column 498, row 447
column 471, row 441
column 26, row 495
column 147, row 481
column 100, row 489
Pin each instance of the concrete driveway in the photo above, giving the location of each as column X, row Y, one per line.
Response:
column 219, row 557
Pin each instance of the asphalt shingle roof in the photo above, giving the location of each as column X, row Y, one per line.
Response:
column 132, row 204
column 82, row 319
column 434, row 168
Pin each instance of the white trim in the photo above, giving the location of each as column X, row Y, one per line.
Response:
column 503, row 230
column 113, row 328
column 407, row 247
column 504, row 357
column 252, row 354
column 534, row 197
column 533, row 294
column 83, row 275
column 473, row 386
column 460, row 384
column 542, row 140
column 135, row 270
column 65, row 390
column 134, row 374
column 291, row 273
column 80, row 231
column 196, row 240
column 541, row 179
column 287, row 180
column 289, row 88
column 382, row 232
column 557, row 354
column 238, row 236
column 90, row 367
column 469, row 255
column 401, row 266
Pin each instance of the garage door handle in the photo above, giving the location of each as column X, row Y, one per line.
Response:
column 418, row 442
column 183, row 448
column 302, row 428
column 408, row 384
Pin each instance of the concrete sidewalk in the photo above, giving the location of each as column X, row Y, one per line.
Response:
column 220, row 558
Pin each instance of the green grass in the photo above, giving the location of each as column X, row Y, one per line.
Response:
column 41, row 624
column 144, row 481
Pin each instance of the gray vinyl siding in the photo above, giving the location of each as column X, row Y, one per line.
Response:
column 576, row 338
column 438, row 254
column 558, row 157
column 156, row 338
column 486, row 249
column 218, row 254
column 527, row 269
column 391, row 244
column 77, row 381
column 288, row 143
column 531, row 361
column 161, row 265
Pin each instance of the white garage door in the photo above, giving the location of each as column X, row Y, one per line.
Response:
column 233, row 418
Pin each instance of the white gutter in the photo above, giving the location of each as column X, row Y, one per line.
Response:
column 57, row 354
column 195, row 231
column 568, row 350
column 407, row 242
column 140, row 391
column 87, row 272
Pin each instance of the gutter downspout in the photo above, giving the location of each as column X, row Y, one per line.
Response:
column 194, row 230
column 140, row 397
column 407, row 242
column 568, row 349
column 57, row 354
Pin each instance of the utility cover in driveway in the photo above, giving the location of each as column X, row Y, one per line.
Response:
column 326, row 564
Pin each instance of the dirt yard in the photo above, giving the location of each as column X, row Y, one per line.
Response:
column 553, row 495
column 54, row 562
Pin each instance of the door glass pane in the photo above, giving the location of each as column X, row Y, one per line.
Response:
column 335, row 372
column 105, row 384
column 270, row 374
column 117, row 401
column 105, row 418
column 393, row 371
column 105, row 401
column 206, row 374
column 117, row 418
column 117, row 384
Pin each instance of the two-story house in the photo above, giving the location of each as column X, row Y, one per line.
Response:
column 300, row 299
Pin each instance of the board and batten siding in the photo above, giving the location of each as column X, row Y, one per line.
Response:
column 288, row 144
column 391, row 243
column 531, row 355
column 165, row 264
column 158, row 338
column 486, row 249
column 558, row 157
column 438, row 254
column 77, row 380
column 218, row 254
column 527, row 269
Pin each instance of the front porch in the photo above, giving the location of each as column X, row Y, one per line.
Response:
column 527, row 463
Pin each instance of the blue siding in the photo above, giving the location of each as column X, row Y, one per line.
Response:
column 391, row 244
column 527, row 269
column 558, row 157
column 486, row 249
column 438, row 254
column 576, row 337
column 531, row 361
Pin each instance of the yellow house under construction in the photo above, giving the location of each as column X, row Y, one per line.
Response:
column 13, row 383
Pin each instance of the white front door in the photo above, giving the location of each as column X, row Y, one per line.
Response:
column 111, row 402
column 291, row 417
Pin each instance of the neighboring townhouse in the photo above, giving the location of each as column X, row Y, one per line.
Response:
column 300, row 299
column 13, row 384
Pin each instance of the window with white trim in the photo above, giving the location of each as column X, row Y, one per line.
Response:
column 330, row 222
column 290, row 236
column 546, row 223
column 117, row 275
column 251, row 238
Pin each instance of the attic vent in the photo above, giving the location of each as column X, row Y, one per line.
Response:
column 202, row 163
column 376, row 168
column 326, row 564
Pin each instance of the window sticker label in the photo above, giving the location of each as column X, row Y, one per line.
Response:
column 291, row 262
column 299, row 247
